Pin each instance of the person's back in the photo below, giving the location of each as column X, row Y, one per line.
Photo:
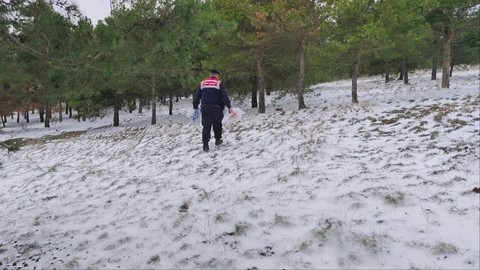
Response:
column 212, row 91
column 213, row 97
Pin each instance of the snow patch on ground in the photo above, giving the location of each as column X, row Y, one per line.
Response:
column 386, row 183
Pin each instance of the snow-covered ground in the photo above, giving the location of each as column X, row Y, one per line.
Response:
column 386, row 183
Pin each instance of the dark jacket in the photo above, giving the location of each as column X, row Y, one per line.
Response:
column 211, row 92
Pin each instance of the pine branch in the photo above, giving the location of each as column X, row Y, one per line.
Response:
column 25, row 48
column 35, row 53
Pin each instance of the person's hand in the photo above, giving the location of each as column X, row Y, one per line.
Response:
column 231, row 111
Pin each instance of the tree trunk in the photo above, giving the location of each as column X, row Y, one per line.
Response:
column 41, row 113
column 60, row 112
column 387, row 74
column 269, row 89
column 154, row 103
column 301, row 77
column 18, row 117
column 27, row 115
column 355, row 68
column 3, row 122
column 434, row 60
column 451, row 69
column 140, row 106
column 434, row 67
column 116, row 110
column 261, row 80
column 254, row 92
column 447, row 58
column 66, row 107
column 131, row 105
column 405, row 70
column 254, row 99
column 170, row 104
column 48, row 115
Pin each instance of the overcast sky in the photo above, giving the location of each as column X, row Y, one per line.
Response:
column 94, row 9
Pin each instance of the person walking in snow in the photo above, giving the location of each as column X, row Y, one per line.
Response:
column 213, row 97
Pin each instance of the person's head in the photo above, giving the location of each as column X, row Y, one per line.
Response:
column 214, row 72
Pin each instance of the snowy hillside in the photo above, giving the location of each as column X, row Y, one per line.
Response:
column 389, row 183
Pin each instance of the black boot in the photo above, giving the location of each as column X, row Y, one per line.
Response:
column 205, row 147
column 218, row 142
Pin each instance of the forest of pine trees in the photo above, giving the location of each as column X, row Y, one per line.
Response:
column 55, row 61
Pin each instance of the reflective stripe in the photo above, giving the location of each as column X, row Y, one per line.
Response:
column 210, row 83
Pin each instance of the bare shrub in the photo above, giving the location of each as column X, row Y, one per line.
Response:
column 222, row 217
column 282, row 221
column 325, row 228
column 396, row 198
column 154, row 259
column 241, row 228
column 73, row 264
column 24, row 249
column 184, row 207
column 444, row 248
column 347, row 261
column 434, row 135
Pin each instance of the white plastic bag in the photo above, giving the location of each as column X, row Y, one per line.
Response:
column 229, row 118
column 236, row 114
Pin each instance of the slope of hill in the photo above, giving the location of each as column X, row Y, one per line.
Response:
column 391, row 182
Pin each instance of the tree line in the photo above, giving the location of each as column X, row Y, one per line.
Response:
column 55, row 60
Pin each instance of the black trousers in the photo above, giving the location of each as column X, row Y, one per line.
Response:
column 212, row 115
